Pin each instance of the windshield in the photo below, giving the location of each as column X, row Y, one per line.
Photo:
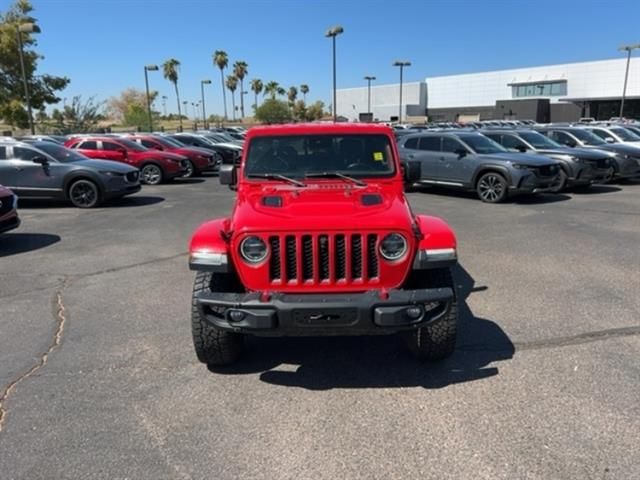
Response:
column 168, row 142
column 537, row 140
column 60, row 153
column 482, row 144
column 298, row 156
column 587, row 137
column 131, row 145
column 625, row 134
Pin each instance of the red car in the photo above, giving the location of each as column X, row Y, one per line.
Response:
column 321, row 240
column 155, row 166
column 199, row 160
column 8, row 214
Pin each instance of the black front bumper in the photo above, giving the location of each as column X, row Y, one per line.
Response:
column 9, row 223
column 365, row 313
column 123, row 191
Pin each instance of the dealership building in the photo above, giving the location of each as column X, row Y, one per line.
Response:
column 551, row 93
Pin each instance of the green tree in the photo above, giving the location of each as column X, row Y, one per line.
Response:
column 170, row 72
column 82, row 116
column 300, row 111
column 42, row 87
column 315, row 111
column 273, row 111
column 118, row 107
column 292, row 95
column 304, row 89
column 232, row 84
column 221, row 60
column 240, row 70
column 256, row 86
column 271, row 89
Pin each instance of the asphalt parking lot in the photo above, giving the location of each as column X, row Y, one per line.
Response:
column 545, row 383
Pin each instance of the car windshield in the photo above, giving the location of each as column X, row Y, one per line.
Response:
column 60, row 153
column 481, row 144
column 625, row 135
column 587, row 137
column 131, row 145
column 167, row 142
column 537, row 140
column 298, row 156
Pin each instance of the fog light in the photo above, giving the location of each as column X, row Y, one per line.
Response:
column 236, row 315
column 414, row 313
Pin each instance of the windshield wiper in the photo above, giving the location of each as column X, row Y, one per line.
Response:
column 276, row 176
column 360, row 183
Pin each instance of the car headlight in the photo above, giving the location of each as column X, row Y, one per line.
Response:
column 111, row 174
column 253, row 249
column 15, row 201
column 393, row 246
column 519, row 166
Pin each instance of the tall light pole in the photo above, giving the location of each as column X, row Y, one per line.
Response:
column 186, row 108
column 628, row 49
column 368, row 79
column 204, row 114
column 164, row 105
column 333, row 33
column 26, row 28
column 401, row 64
column 149, row 68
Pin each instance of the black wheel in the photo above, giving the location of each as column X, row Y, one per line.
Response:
column 560, row 183
column 190, row 169
column 151, row 174
column 214, row 346
column 492, row 188
column 438, row 340
column 84, row 194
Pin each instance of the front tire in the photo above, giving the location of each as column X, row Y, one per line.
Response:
column 437, row 340
column 151, row 174
column 560, row 184
column 191, row 170
column 84, row 194
column 492, row 188
column 213, row 346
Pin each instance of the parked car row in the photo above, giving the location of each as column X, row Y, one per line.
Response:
column 499, row 162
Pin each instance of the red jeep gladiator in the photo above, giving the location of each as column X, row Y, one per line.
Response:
column 322, row 241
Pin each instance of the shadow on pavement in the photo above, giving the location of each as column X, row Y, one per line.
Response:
column 524, row 199
column 322, row 363
column 134, row 201
column 596, row 189
column 184, row 181
column 14, row 243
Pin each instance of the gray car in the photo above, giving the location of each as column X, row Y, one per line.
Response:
column 472, row 161
column 626, row 163
column 579, row 167
column 47, row 170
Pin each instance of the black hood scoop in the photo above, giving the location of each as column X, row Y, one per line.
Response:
column 370, row 199
column 272, row 201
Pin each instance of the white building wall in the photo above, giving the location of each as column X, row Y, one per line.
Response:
column 598, row 79
column 384, row 100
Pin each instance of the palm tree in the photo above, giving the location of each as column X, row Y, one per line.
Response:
column 271, row 88
column 292, row 94
column 170, row 72
column 304, row 89
column 256, row 86
column 240, row 70
column 221, row 60
column 232, row 84
column 281, row 91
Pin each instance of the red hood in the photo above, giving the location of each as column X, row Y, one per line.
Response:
column 321, row 206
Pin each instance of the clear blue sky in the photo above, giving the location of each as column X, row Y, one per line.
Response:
column 102, row 45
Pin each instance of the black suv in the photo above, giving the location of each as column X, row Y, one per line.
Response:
column 579, row 167
column 626, row 162
column 472, row 161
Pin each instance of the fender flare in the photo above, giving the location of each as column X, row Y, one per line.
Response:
column 209, row 247
column 488, row 167
column 438, row 246
column 80, row 175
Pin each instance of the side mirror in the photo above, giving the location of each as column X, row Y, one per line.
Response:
column 40, row 160
column 609, row 140
column 521, row 148
column 411, row 171
column 572, row 143
column 461, row 152
column 228, row 175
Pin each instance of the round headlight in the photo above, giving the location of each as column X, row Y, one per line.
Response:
column 393, row 246
column 253, row 249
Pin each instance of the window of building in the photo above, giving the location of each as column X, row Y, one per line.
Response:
column 539, row 89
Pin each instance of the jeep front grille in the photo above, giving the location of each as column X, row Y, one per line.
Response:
column 323, row 258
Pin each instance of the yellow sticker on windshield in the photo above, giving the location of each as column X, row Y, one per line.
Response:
column 378, row 156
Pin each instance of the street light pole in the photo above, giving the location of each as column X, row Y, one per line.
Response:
column 149, row 68
column 333, row 33
column 401, row 65
column 628, row 49
column 26, row 28
column 164, row 105
column 204, row 114
column 368, row 79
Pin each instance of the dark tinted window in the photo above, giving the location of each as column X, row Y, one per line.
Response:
column 186, row 140
column 431, row 144
column 112, row 147
column 149, row 144
column 451, row 145
column 411, row 143
column 493, row 136
column 603, row 134
column 3, row 153
column 511, row 141
column 25, row 153
column 60, row 153
column 481, row 144
column 89, row 145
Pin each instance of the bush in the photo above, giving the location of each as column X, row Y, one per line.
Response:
column 273, row 111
